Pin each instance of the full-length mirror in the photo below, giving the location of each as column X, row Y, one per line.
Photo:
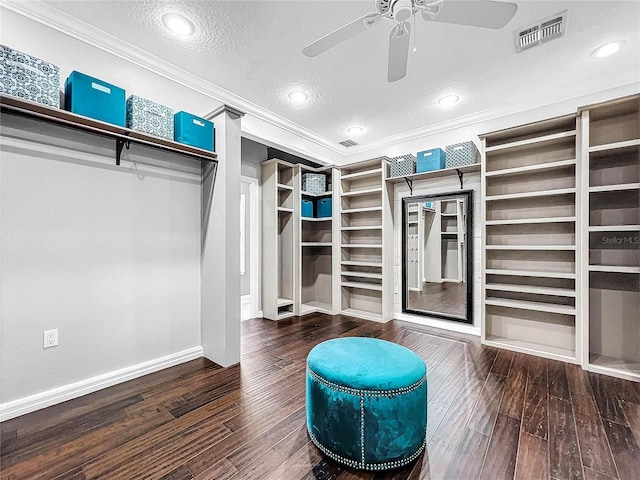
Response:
column 436, row 255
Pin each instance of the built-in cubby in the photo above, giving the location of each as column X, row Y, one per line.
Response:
column 530, row 225
column 611, row 211
column 278, row 239
column 365, row 260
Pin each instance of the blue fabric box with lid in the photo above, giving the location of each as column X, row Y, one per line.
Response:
column 307, row 208
column 195, row 131
column 28, row 77
column 91, row 97
column 429, row 160
column 323, row 207
column 152, row 118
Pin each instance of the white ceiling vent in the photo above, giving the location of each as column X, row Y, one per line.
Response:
column 541, row 32
column 349, row 143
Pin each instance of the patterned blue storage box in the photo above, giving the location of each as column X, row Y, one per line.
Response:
column 323, row 207
column 28, row 77
column 461, row 154
column 403, row 165
column 307, row 208
column 314, row 182
column 429, row 160
column 149, row 117
column 91, row 97
column 194, row 131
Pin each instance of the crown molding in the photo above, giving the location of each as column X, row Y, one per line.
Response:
column 62, row 22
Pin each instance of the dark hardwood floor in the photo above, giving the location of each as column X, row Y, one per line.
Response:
column 492, row 415
column 445, row 297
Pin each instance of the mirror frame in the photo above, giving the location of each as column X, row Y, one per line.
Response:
column 468, row 195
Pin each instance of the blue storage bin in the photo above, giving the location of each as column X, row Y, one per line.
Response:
column 94, row 98
column 429, row 160
column 307, row 208
column 194, row 131
column 323, row 207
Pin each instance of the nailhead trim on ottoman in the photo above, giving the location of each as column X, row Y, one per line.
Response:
column 355, row 421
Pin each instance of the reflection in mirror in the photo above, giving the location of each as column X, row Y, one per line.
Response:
column 437, row 260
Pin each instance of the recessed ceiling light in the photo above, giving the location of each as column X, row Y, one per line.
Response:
column 448, row 100
column 178, row 24
column 606, row 50
column 298, row 97
column 355, row 130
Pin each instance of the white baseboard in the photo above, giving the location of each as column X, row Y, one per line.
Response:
column 29, row 404
column 436, row 323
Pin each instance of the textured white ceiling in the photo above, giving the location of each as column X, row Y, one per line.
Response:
column 253, row 49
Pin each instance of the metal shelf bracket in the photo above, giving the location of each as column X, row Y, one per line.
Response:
column 120, row 144
column 460, row 177
column 409, row 184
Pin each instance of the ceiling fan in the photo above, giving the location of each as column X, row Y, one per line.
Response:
column 474, row 13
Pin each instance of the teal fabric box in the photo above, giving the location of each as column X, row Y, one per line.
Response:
column 94, row 98
column 194, row 131
column 323, row 207
column 28, row 77
column 429, row 160
column 146, row 116
column 307, row 208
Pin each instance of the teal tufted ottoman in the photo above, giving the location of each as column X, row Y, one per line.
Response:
column 366, row 402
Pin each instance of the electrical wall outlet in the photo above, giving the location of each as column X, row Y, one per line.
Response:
column 50, row 338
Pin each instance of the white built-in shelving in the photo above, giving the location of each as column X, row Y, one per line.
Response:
column 278, row 239
column 366, row 241
column 530, row 242
column 610, row 146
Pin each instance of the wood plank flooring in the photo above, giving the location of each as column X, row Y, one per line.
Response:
column 492, row 415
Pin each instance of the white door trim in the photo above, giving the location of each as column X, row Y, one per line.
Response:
column 255, row 247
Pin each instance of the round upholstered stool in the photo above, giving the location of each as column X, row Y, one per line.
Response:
column 366, row 402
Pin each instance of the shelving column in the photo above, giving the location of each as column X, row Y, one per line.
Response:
column 366, row 261
column 530, row 240
column 278, row 239
column 610, row 144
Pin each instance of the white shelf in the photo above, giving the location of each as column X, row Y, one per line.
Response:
column 524, row 221
column 312, row 307
column 364, row 314
column 283, row 302
column 363, row 209
column 532, row 247
column 368, row 227
column 533, row 142
column 449, row 234
column 443, row 172
column 529, row 273
column 554, row 353
column 282, row 316
column 361, row 245
column 354, row 263
column 531, row 168
column 614, row 188
column 543, row 193
column 328, row 193
column 363, row 191
column 360, row 175
column 536, row 306
column 614, row 228
column 316, row 244
column 282, row 186
column 321, row 219
column 533, row 289
column 614, row 146
column 449, row 215
column 346, row 273
column 613, row 269
column 285, row 210
column 362, row 285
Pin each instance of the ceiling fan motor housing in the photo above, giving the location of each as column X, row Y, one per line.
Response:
column 402, row 10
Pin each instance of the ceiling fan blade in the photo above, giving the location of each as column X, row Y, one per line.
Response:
column 398, row 51
column 341, row 34
column 475, row 13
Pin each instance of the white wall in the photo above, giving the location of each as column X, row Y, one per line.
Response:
column 253, row 154
column 109, row 256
